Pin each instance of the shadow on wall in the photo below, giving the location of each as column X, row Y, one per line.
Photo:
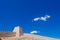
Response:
column 0, row 39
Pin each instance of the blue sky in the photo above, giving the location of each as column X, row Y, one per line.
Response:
column 22, row 12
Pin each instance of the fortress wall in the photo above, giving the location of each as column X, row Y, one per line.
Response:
column 7, row 34
column 17, row 34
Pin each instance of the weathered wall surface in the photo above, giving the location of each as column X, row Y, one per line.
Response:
column 28, row 37
column 17, row 34
column 7, row 34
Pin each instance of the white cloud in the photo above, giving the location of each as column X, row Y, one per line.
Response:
column 36, row 19
column 42, row 18
column 32, row 32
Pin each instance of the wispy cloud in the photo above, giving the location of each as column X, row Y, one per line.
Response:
column 34, row 32
column 42, row 18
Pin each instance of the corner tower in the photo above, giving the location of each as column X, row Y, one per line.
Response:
column 18, row 31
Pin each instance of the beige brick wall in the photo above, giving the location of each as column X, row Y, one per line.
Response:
column 7, row 34
column 17, row 34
